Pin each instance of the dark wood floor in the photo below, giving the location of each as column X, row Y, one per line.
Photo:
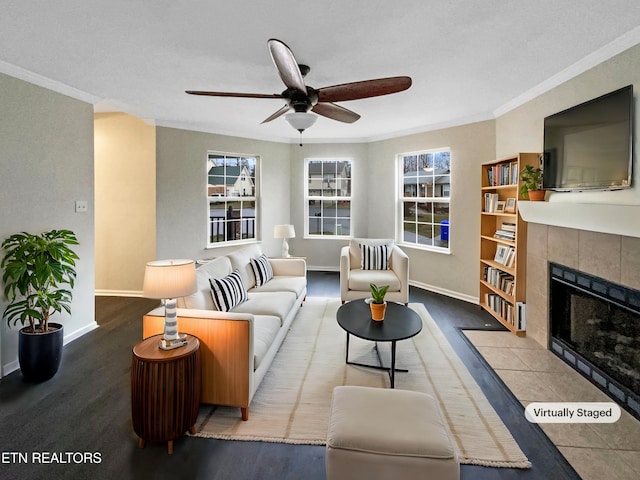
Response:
column 86, row 408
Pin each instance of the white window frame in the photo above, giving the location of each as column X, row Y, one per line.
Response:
column 308, row 198
column 401, row 199
column 231, row 196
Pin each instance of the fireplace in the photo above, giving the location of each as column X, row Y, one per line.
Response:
column 595, row 328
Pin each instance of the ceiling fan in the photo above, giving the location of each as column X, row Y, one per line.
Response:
column 301, row 98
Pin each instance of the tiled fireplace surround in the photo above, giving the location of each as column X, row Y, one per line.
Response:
column 612, row 257
column 596, row 451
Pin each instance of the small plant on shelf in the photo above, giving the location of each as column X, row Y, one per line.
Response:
column 531, row 187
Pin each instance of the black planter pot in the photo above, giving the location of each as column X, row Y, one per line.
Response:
column 40, row 354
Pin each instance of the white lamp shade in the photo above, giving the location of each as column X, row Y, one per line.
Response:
column 300, row 120
column 284, row 231
column 169, row 279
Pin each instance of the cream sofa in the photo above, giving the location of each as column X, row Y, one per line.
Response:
column 354, row 281
column 237, row 347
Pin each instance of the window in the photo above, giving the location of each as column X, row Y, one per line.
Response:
column 328, row 198
column 232, row 198
column 425, row 183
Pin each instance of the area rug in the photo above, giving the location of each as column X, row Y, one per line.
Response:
column 292, row 403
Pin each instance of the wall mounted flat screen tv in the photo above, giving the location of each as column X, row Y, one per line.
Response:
column 589, row 146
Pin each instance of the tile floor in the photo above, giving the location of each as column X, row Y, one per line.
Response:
column 533, row 374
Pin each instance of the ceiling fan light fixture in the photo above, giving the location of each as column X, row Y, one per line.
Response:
column 301, row 98
column 300, row 120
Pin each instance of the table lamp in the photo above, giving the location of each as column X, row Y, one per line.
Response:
column 284, row 232
column 167, row 280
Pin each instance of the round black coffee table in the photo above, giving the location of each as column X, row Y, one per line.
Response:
column 399, row 323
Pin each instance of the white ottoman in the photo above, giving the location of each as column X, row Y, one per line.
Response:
column 377, row 433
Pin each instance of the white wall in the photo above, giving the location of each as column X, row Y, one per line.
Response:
column 46, row 164
column 125, row 202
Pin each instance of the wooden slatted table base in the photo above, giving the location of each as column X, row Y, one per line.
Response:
column 165, row 390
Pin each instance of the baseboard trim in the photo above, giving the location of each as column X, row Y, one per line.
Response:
column 15, row 365
column 444, row 291
column 10, row 367
column 80, row 332
column 315, row 268
column 117, row 293
column 414, row 283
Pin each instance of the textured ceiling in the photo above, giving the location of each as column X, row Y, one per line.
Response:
column 468, row 59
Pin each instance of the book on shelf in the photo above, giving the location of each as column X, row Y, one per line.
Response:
column 505, row 235
column 499, row 305
column 515, row 173
column 490, row 202
column 490, row 176
column 508, row 227
column 503, row 174
column 511, row 258
column 501, row 280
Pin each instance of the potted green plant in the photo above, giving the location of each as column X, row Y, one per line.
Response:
column 378, row 305
column 39, row 273
column 531, row 187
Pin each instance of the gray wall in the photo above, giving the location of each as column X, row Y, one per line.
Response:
column 522, row 130
column 181, row 213
column 180, row 186
column 324, row 254
column 46, row 155
column 454, row 274
column 574, row 228
column 46, row 164
column 181, row 183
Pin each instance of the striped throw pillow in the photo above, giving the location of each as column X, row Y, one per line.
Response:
column 375, row 257
column 261, row 269
column 228, row 292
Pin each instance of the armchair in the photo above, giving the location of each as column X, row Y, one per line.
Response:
column 354, row 280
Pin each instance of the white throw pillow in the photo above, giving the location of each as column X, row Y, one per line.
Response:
column 262, row 269
column 228, row 292
column 375, row 257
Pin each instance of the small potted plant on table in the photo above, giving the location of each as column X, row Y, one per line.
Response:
column 37, row 270
column 531, row 187
column 378, row 305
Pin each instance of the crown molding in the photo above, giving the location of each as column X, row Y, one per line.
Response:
column 619, row 45
column 42, row 81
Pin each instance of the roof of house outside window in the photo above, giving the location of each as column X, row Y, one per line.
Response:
column 318, row 168
column 217, row 175
column 441, row 176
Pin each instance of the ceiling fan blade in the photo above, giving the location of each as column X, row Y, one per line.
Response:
column 232, row 94
column 286, row 65
column 335, row 112
column 363, row 89
column 281, row 111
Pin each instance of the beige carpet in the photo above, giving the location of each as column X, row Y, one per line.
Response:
column 292, row 403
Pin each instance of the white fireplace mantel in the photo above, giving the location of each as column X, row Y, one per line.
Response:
column 595, row 217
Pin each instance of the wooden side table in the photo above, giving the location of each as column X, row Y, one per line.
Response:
column 165, row 390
